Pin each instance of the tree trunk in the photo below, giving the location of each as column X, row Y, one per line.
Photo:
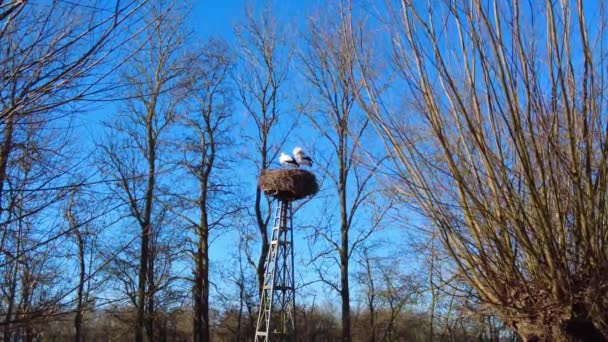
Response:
column 150, row 314
column 240, row 315
column 262, row 224
column 144, row 261
column 11, row 299
column 7, row 145
column 372, row 323
column 371, row 297
column 572, row 330
column 265, row 246
column 345, row 292
column 26, row 292
column 201, row 288
column 344, row 286
column 201, row 283
column 344, row 228
column 13, row 285
column 78, row 318
column 141, row 286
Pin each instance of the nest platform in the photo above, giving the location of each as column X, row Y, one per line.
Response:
column 288, row 184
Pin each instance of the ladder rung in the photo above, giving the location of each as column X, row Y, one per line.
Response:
column 283, row 288
column 280, row 243
column 261, row 333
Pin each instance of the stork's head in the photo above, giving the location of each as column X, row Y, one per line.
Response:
column 297, row 151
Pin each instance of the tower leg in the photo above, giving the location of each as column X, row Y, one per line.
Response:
column 276, row 317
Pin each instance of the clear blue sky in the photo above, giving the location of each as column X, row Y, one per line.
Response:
column 218, row 18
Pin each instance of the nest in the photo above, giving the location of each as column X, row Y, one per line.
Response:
column 288, row 185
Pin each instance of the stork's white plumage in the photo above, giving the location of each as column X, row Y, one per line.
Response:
column 301, row 157
column 286, row 160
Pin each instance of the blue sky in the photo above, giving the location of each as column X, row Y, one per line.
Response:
column 218, row 18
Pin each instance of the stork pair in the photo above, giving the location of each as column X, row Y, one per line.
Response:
column 299, row 158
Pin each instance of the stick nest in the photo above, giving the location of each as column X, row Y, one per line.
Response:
column 288, row 185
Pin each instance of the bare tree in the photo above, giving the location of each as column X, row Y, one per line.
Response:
column 36, row 247
column 264, row 66
column 238, row 322
column 367, row 280
column 505, row 151
column 83, row 212
column 48, row 62
column 388, row 293
column 328, row 67
column 157, row 79
column 81, row 297
column 29, row 243
column 204, row 159
column 396, row 291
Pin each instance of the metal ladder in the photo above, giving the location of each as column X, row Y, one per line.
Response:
column 276, row 320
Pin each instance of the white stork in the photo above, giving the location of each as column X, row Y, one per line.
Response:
column 301, row 157
column 286, row 160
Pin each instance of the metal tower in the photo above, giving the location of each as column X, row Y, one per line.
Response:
column 276, row 320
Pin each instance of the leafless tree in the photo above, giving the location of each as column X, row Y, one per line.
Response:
column 205, row 149
column 55, row 54
column 317, row 323
column 328, row 63
column 157, row 80
column 388, row 294
column 238, row 322
column 368, row 281
column 29, row 243
column 261, row 76
column 501, row 141
column 81, row 296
